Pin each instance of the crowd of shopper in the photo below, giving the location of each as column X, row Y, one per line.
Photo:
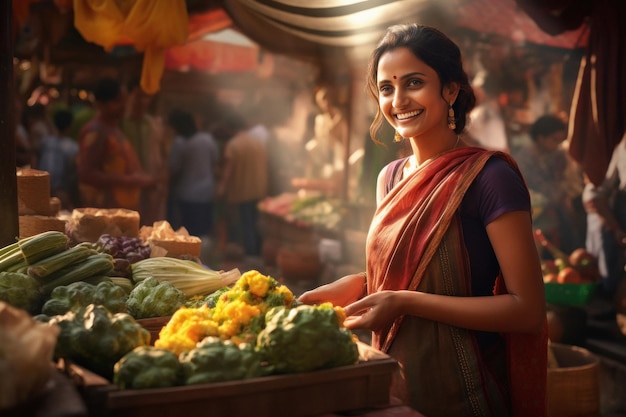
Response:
column 172, row 168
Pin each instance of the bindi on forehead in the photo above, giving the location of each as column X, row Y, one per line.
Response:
column 395, row 78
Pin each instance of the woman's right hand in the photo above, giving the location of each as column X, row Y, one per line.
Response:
column 341, row 292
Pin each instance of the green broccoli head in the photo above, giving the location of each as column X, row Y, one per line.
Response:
column 148, row 367
column 110, row 295
column 306, row 338
column 96, row 339
column 216, row 360
column 21, row 291
column 80, row 294
column 152, row 298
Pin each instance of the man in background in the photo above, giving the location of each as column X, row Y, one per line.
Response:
column 109, row 172
column 145, row 134
column 606, row 221
column 58, row 158
column 243, row 181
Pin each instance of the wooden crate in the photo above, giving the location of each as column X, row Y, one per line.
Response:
column 154, row 326
column 355, row 387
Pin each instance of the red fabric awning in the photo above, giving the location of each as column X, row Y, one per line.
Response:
column 210, row 56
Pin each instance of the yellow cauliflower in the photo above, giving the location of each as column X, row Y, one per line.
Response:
column 186, row 328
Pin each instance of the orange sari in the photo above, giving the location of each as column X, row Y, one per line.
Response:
column 415, row 243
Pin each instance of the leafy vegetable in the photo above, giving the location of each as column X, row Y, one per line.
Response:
column 148, row 367
column 215, row 360
column 306, row 338
column 21, row 291
column 95, row 338
column 151, row 298
column 81, row 294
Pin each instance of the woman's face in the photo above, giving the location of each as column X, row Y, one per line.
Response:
column 410, row 96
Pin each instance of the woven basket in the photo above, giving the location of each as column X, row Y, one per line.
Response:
column 33, row 225
column 573, row 387
column 33, row 192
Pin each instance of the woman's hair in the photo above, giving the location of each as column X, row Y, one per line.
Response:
column 438, row 52
column 182, row 122
column 546, row 125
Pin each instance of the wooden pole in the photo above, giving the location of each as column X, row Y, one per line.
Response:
column 9, row 220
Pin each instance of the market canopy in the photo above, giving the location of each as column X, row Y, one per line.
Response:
column 296, row 27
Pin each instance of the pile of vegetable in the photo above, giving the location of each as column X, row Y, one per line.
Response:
column 80, row 294
column 43, row 274
column 95, row 338
column 125, row 251
column 38, row 264
column 256, row 328
column 317, row 211
column 223, row 326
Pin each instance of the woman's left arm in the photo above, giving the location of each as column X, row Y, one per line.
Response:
column 523, row 309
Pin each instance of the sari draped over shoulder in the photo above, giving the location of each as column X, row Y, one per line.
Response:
column 415, row 242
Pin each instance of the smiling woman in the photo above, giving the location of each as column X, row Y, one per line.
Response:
column 453, row 222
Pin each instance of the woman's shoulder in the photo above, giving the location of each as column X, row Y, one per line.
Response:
column 496, row 190
column 500, row 172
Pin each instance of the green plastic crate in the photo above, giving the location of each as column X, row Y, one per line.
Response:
column 576, row 295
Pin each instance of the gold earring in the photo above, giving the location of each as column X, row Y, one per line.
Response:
column 397, row 137
column 451, row 119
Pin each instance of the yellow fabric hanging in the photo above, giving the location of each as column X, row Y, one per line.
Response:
column 151, row 26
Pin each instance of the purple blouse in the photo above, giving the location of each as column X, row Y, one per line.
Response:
column 498, row 189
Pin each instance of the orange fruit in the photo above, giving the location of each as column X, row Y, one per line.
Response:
column 569, row 275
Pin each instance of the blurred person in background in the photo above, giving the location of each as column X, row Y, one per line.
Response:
column 35, row 121
column 606, row 221
column 109, row 173
column 23, row 150
column 58, row 158
column 486, row 123
column 555, row 183
column 243, row 181
column 192, row 164
column 145, row 134
column 327, row 149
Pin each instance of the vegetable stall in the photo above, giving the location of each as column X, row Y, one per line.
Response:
column 125, row 312
column 215, row 327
